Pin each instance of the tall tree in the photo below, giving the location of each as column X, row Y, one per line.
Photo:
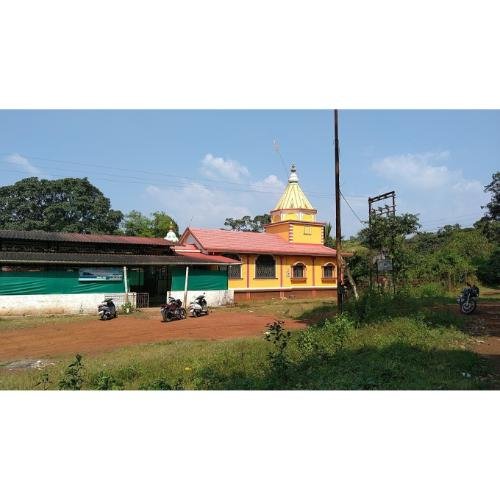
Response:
column 489, row 224
column 494, row 205
column 137, row 224
column 389, row 234
column 70, row 204
column 329, row 240
column 246, row 223
column 162, row 223
column 155, row 226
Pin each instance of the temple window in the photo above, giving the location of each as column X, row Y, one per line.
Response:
column 265, row 267
column 298, row 271
column 328, row 271
column 307, row 230
column 233, row 272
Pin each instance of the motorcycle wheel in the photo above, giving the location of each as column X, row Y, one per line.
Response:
column 168, row 317
column 468, row 307
column 197, row 313
column 182, row 313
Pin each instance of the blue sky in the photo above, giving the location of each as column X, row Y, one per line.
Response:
column 204, row 166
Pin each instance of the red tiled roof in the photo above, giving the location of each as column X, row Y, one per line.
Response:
column 81, row 238
column 219, row 240
column 186, row 249
column 214, row 259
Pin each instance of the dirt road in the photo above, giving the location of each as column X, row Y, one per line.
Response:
column 485, row 330
column 94, row 336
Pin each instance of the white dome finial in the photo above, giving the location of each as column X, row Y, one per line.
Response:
column 171, row 236
column 293, row 174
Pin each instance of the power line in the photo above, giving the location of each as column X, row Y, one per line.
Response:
column 317, row 194
column 352, row 209
column 181, row 181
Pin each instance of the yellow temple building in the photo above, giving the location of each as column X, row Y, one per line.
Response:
column 288, row 260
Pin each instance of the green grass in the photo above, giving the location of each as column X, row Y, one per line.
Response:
column 287, row 308
column 383, row 342
column 400, row 353
column 18, row 322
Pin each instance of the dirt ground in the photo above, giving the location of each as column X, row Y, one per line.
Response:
column 94, row 336
column 485, row 329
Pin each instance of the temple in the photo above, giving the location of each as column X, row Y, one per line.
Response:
column 288, row 260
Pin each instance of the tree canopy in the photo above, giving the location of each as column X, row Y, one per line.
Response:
column 69, row 204
column 494, row 205
column 489, row 224
column 155, row 226
column 249, row 224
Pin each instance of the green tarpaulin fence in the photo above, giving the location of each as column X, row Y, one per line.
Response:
column 199, row 279
column 58, row 282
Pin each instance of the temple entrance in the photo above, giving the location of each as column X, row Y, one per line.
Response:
column 155, row 281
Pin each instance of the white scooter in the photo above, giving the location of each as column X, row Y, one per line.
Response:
column 198, row 306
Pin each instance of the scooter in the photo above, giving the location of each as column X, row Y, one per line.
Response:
column 467, row 300
column 173, row 310
column 107, row 310
column 198, row 306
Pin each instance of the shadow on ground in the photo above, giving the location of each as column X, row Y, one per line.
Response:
column 398, row 366
column 436, row 311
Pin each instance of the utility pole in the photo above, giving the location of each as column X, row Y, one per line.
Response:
column 338, row 232
column 388, row 211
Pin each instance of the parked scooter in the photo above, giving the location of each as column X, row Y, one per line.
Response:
column 198, row 306
column 173, row 310
column 468, row 299
column 107, row 310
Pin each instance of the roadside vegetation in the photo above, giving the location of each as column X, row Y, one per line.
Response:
column 382, row 342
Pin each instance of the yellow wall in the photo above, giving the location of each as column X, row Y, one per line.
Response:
column 313, row 274
column 296, row 216
column 300, row 236
column 280, row 229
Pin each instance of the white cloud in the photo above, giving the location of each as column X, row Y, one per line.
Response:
column 270, row 184
column 425, row 184
column 24, row 163
column 216, row 167
column 197, row 205
column 421, row 170
column 204, row 205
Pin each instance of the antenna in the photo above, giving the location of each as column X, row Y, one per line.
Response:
column 276, row 146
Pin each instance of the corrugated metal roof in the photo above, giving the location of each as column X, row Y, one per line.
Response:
column 112, row 259
column 220, row 240
column 81, row 238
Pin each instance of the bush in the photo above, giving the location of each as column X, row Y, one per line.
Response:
column 103, row 381
column 127, row 308
column 161, row 384
column 489, row 271
column 73, row 378
column 338, row 330
column 428, row 290
column 278, row 359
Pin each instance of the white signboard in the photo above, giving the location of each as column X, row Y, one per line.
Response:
column 384, row 265
column 100, row 274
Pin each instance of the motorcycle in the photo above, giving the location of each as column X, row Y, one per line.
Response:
column 467, row 300
column 107, row 310
column 198, row 306
column 173, row 310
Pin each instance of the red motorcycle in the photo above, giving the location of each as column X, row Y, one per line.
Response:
column 173, row 310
